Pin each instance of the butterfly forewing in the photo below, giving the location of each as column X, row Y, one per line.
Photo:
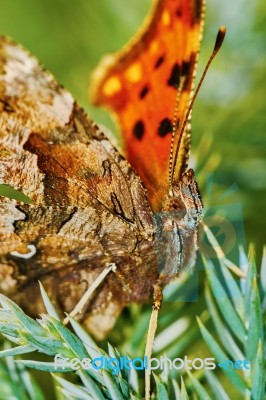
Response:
column 141, row 85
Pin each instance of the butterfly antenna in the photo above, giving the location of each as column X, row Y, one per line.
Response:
column 173, row 157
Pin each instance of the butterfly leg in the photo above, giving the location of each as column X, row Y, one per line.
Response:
column 157, row 301
column 82, row 302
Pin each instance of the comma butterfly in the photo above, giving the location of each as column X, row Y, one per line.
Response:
column 92, row 207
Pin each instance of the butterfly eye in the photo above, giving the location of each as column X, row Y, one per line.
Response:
column 176, row 204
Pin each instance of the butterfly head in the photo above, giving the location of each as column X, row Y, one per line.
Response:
column 176, row 227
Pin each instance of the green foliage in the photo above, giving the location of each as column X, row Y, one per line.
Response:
column 232, row 327
column 11, row 193
column 16, row 381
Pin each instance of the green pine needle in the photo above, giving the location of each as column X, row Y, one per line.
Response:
column 232, row 326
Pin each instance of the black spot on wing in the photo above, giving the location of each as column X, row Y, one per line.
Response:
column 174, row 77
column 143, row 92
column 178, row 12
column 165, row 127
column 187, row 71
column 138, row 130
column 159, row 62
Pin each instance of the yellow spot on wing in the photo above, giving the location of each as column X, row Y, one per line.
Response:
column 134, row 73
column 154, row 47
column 166, row 18
column 112, row 86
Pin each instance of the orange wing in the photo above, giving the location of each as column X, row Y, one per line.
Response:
column 140, row 84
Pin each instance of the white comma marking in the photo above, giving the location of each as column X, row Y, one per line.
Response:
column 32, row 251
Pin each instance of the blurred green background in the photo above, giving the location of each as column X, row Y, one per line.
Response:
column 70, row 37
